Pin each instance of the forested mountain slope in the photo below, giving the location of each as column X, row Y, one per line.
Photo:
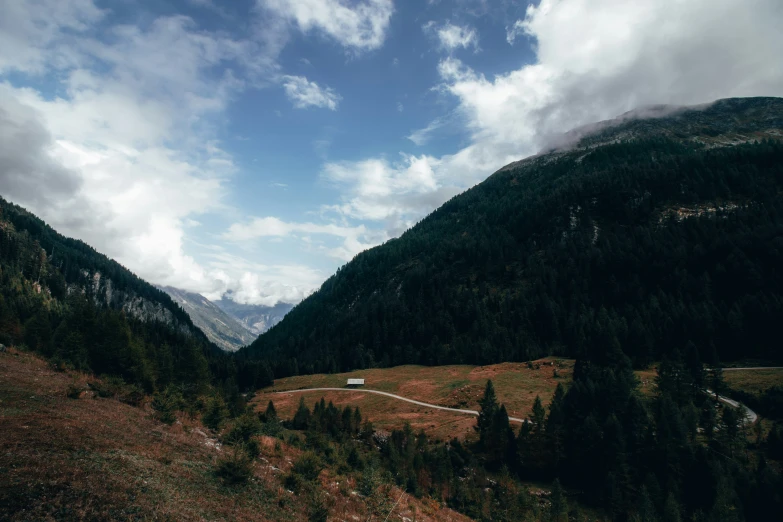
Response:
column 646, row 235
column 61, row 298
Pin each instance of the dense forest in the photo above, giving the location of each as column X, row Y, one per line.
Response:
column 647, row 236
column 64, row 300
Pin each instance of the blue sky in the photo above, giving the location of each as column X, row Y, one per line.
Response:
column 257, row 145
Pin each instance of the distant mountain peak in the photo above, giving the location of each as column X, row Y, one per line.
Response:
column 219, row 327
column 255, row 318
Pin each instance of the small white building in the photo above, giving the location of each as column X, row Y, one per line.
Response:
column 355, row 382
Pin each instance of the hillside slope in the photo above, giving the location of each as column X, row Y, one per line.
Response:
column 95, row 458
column 646, row 234
column 217, row 325
column 61, row 298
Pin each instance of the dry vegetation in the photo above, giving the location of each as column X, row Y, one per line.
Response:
column 100, row 459
column 753, row 381
column 455, row 386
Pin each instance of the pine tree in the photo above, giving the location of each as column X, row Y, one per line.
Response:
column 671, row 510
column 558, row 510
column 270, row 415
column 215, row 413
column 646, row 511
column 488, row 407
column 301, row 419
column 716, row 382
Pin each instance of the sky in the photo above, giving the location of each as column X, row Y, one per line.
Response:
column 254, row 146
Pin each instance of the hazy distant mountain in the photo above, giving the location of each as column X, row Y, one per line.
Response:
column 256, row 318
column 219, row 327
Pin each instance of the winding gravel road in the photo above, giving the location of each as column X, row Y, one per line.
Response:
column 398, row 397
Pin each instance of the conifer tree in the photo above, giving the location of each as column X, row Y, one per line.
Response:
column 558, row 510
column 488, row 407
column 301, row 420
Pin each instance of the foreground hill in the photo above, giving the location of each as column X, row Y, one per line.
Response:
column 649, row 235
column 217, row 325
column 97, row 458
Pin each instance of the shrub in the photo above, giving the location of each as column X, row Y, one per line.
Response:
column 252, row 448
column 74, row 390
column 133, row 395
column 243, row 429
column 318, row 510
column 215, row 414
column 108, row 386
column 234, row 467
column 294, row 482
column 166, row 403
column 309, row 466
column 304, row 472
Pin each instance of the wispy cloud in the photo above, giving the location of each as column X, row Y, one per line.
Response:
column 451, row 37
column 358, row 26
column 304, row 93
column 354, row 238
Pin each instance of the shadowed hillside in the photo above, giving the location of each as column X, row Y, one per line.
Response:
column 647, row 235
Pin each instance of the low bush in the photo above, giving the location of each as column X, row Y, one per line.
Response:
column 234, row 467
column 74, row 390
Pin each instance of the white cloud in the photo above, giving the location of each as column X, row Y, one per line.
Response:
column 255, row 283
column 422, row 136
column 515, row 31
column 357, row 25
column 452, row 37
column 354, row 239
column 32, row 33
column 393, row 193
column 304, row 93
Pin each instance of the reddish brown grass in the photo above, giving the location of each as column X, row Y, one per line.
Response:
column 99, row 459
column 455, row 386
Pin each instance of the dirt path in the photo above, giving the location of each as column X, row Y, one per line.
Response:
column 398, row 397
column 750, row 415
column 754, row 368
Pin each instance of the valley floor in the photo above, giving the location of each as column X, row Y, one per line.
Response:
column 454, row 386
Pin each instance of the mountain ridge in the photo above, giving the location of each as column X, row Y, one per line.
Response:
column 487, row 271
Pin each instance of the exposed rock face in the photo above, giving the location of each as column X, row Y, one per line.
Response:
column 104, row 293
